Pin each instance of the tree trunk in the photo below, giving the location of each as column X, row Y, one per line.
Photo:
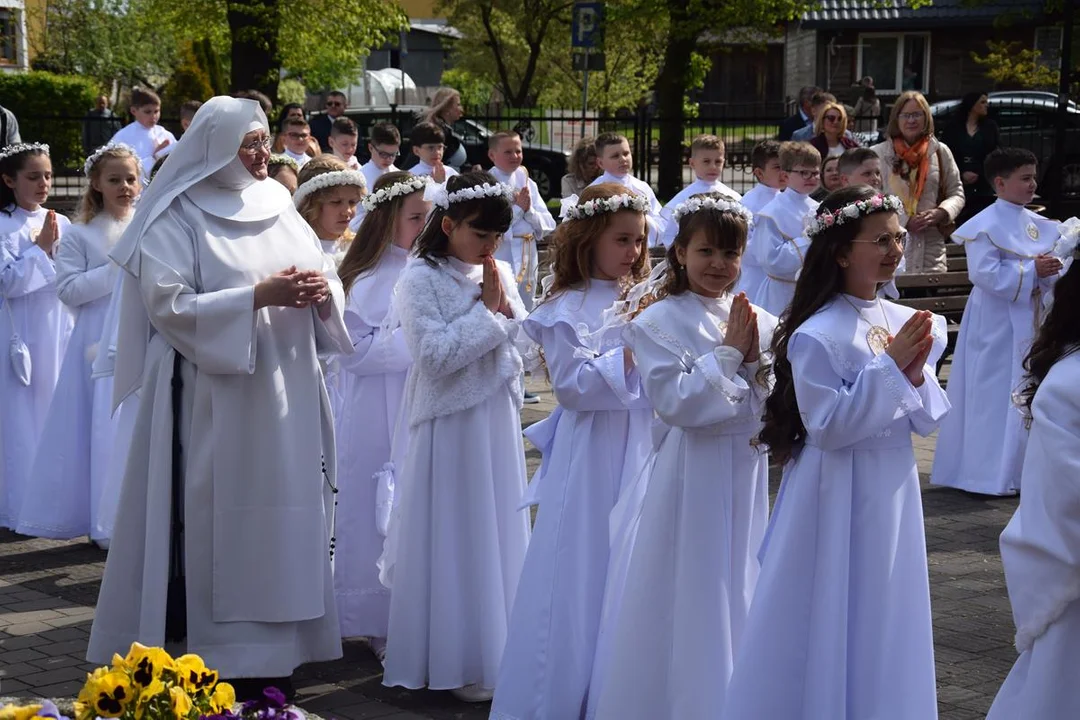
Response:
column 670, row 91
column 253, row 28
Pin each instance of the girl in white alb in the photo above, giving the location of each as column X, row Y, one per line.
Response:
column 370, row 385
column 1040, row 547
column 840, row 626
column 593, row 446
column 327, row 197
column 669, row 640
column 71, row 467
column 34, row 324
column 457, row 540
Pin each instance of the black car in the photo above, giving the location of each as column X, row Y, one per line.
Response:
column 546, row 164
column 1029, row 120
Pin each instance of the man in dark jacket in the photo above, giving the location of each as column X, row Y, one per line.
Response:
column 9, row 128
column 802, row 117
column 99, row 125
column 321, row 124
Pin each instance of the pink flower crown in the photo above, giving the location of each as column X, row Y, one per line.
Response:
column 817, row 224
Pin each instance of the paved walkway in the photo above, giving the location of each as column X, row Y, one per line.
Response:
column 48, row 590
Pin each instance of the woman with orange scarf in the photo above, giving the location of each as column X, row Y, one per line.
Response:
column 923, row 174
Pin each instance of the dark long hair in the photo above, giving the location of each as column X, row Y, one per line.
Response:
column 820, row 280
column 1058, row 337
column 375, row 234
column 488, row 214
column 11, row 166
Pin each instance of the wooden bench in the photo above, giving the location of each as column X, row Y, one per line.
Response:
column 945, row 294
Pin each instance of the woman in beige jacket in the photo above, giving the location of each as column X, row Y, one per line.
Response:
column 923, row 173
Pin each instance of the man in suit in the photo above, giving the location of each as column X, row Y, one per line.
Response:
column 803, row 117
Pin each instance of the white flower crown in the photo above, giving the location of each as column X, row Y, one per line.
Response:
column 815, row 225
column 436, row 193
column 100, row 153
column 697, row 204
column 405, row 187
column 18, row 148
column 628, row 201
column 327, row 180
column 284, row 160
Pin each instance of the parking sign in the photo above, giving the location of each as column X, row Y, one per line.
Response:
column 588, row 25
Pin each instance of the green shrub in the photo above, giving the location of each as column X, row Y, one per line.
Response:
column 50, row 109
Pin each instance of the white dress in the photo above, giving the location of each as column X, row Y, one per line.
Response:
column 457, row 539
column 981, row 445
column 258, row 451
column 752, row 275
column 657, row 224
column 1040, row 549
column 840, row 627
column 593, row 446
column 519, row 245
column 698, row 187
column 27, row 299
column 144, row 140
column 371, row 383
column 71, row 466
column 694, row 563
column 779, row 245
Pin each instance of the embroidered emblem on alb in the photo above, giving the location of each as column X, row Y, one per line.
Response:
column 1033, row 231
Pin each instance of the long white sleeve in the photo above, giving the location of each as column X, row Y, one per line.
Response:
column 778, row 256
column 76, row 282
column 999, row 273
column 585, row 383
column 22, row 273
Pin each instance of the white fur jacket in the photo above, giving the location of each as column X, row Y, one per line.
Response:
column 462, row 352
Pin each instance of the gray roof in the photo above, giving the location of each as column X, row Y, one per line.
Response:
column 891, row 14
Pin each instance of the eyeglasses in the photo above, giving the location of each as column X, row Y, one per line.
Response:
column 832, row 118
column 253, row 147
column 912, row 116
column 807, row 174
column 387, row 155
column 885, row 241
column 334, row 103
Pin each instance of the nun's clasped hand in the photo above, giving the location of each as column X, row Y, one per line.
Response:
column 292, row 288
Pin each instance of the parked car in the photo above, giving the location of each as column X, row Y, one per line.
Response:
column 546, row 164
column 1028, row 119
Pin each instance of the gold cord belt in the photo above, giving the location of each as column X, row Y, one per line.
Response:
column 526, row 260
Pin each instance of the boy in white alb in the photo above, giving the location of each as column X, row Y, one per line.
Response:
column 707, row 162
column 862, row 166
column 615, row 159
column 765, row 160
column 428, row 145
column 532, row 220
column 780, row 242
column 1011, row 263
column 344, row 137
column 149, row 140
column 297, row 134
column 383, row 147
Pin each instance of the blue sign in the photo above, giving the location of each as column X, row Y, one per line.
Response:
column 588, row 25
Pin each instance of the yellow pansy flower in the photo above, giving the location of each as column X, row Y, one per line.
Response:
column 147, row 696
column 112, row 694
column 224, row 697
column 15, row 712
column 146, row 663
column 181, row 703
column 194, row 675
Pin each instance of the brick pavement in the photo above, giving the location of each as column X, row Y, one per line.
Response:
column 48, row 590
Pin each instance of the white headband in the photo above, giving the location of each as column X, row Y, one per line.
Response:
column 437, row 194
column 284, row 160
column 18, row 148
column 405, row 187
column 100, row 152
column 628, row 201
column 815, row 225
column 697, row 204
column 327, row 180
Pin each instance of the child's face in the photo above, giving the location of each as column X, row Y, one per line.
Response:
column 31, row 185
column 710, row 270
column 296, row 139
column 771, row 175
column 470, row 244
column 804, row 179
column 831, row 177
column 337, row 209
column 869, row 173
column 874, row 253
column 147, row 115
column 616, row 159
column 344, row 146
column 619, row 246
column 117, row 179
column 507, row 155
column 287, row 177
column 1019, row 186
column 384, row 155
column 410, row 220
column 430, row 153
column 707, row 164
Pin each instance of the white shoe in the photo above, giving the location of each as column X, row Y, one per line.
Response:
column 473, row 693
column 103, row 544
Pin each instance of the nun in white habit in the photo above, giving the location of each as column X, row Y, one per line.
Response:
column 223, row 273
